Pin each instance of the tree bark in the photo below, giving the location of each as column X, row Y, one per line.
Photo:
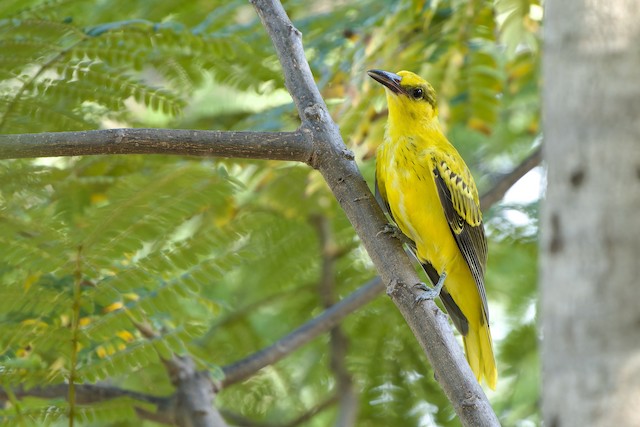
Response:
column 590, row 220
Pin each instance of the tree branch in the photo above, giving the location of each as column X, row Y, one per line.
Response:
column 294, row 146
column 91, row 393
column 194, row 396
column 335, row 163
column 167, row 406
column 241, row 421
column 312, row 412
column 195, row 392
column 297, row 74
column 506, row 181
column 338, row 343
column 246, row 367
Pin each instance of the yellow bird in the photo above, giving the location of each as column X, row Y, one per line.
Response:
column 423, row 183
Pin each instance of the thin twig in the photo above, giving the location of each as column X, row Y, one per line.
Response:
column 75, row 336
column 506, row 181
column 312, row 412
column 242, row 421
column 338, row 343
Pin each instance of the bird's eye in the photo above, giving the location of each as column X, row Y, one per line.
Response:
column 417, row 93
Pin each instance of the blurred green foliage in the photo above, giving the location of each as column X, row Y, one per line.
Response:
column 220, row 257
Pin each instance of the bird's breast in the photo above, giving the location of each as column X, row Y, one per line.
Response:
column 415, row 203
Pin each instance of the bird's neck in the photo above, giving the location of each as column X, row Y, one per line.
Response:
column 425, row 129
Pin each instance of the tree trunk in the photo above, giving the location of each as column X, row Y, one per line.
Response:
column 590, row 251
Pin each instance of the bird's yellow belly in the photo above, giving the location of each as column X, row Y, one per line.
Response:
column 416, row 208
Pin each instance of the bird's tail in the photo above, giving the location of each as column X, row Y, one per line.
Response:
column 479, row 351
column 475, row 334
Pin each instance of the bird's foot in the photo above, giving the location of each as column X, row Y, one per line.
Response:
column 395, row 232
column 427, row 293
column 390, row 229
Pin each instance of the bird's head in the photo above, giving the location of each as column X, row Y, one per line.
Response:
column 409, row 96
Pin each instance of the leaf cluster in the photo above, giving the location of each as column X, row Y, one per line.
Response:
column 138, row 246
column 60, row 73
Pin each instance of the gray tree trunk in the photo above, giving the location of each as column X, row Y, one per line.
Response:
column 590, row 278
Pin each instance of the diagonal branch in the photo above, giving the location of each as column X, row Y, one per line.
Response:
column 294, row 146
column 335, row 163
column 332, row 316
column 506, row 181
column 297, row 74
column 240, row 421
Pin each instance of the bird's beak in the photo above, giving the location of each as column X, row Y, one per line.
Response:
column 390, row 80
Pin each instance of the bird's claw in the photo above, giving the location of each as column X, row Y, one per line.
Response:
column 429, row 294
column 390, row 229
column 395, row 232
column 426, row 293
